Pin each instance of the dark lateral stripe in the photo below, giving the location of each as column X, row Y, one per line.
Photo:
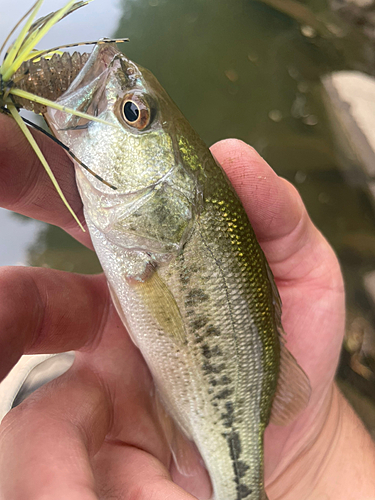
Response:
column 224, row 394
column 239, row 466
column 195, row 297
column 209, row 368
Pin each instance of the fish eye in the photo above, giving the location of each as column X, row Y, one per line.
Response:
column 135, row 111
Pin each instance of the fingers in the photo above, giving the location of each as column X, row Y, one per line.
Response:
column 135, row 459
column 305, row 267
column 125, row 472
column 276, row 211
column 45, row 452
column 25, row 186
column 274, row 207
column 47, row 311
column 309, row 280
column 294, row 248
column 96, row 420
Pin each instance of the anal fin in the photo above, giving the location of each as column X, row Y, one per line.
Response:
column 187, row 467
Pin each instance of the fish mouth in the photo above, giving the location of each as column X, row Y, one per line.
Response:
column 86, row 94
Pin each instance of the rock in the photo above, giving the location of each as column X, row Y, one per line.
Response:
column 350, row 102
column 359, row 13
column 30, row 373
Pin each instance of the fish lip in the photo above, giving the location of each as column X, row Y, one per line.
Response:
column 101, row 60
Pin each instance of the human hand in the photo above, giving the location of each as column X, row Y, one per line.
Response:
column 93, row 433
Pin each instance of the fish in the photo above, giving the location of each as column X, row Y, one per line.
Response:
column 186, row 273
column 185, row 270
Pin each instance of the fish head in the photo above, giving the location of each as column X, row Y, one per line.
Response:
column 143, row 150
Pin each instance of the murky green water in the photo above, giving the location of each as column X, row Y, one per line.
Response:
column 240, row 68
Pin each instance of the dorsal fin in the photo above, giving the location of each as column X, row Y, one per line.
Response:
column 293, row 387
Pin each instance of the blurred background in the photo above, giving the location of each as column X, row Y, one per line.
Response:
column 253, row 69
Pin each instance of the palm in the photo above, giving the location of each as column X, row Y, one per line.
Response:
column 103, row 409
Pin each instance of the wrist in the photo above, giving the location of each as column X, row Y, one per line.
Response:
column 338, row 464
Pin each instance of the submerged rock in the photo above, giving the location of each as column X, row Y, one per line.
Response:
column 350, row 102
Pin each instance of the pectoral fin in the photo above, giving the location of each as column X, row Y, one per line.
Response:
column 293, row 390
column 159, row 300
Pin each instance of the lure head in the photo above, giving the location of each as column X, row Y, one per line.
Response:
column 149, row 155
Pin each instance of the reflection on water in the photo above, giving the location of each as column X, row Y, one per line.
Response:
column 54, row 248
column 18, row 233
column 245, row 69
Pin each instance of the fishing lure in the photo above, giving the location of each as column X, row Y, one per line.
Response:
column 26, row 74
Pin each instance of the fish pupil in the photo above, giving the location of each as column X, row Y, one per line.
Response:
column 131, row 111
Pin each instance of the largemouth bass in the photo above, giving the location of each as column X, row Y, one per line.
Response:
column 186, row 273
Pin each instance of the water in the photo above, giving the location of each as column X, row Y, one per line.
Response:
column 237, row 68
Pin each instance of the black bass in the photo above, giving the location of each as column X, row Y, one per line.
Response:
column 185, row 270
column 186, row 273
